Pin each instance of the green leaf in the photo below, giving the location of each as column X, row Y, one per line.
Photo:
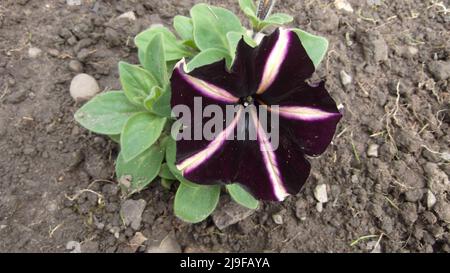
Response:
column 254, row 20
column 278, row 19
column 234, row 38
column 208, row 56
column 167, row 183
column 211, row 25
column 143, row 169
column 154, row 95
column 139, row 133
column 166, row 173
column 174, row 49
column 154, row 60
column 242, row 197
column 315, row 46
column 136, row 82
column 106, row 113
column 248, row 5
column 115, row 138
column 171, row 153
column 184, row 27
column 194, row 205
column 158, row 102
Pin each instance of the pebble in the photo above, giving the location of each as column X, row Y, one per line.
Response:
column 445, row 156
column 73, row 2
column 128, row 15
column 320, row 193
column 167, row 245
column 137, row 241
column 343, row 5
column 73, row 246
column 346, row 79
column 83, row 87
column 75, row 66
column 34, row 52
column 413, row 50
column 442, row 209
column 431, row 199
column 440, row 70
column 373, row 150
column 278, row 219
column 53, row 52
column 131, row 212
column 229, row 214
column 319, row 207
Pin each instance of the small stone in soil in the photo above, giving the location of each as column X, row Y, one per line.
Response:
column 137, row 241
column 75, row 66
column 278, row 219
column 442, row 209
column 320, row 193
column 74, row 247
column 128, row 15
column 319, row 207
column 167, row 245
column 431, row 199
column 346, row 79
column 440, row 70
column 131, row 212
column 73, row 2
column 34, row 52
column 343, row 5
column 83, row 87
column 229, row 214
column 373, row 150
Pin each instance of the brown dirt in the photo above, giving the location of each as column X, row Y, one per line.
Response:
column 398, row 54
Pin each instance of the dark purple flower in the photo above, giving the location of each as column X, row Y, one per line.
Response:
column 273, row 73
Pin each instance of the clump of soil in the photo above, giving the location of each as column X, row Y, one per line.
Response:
column 386, row 172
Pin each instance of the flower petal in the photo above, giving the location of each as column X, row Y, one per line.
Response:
column 192, row 162
column 281, row 63
column 267, row 173
column 181, row 81
column 308, row 115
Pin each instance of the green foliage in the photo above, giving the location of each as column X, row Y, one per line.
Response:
column 136, row 82
column 195, row 204
column 139, row 133
column 161, row 105
column 211, row 25
column 184, row 27
column 139, row 117
column 174, row 49
column 315, row 46
column 209, row 56
column 107, row 113
column 250, row 10
column 143, row 169
column 154, row 59
column 242, row 197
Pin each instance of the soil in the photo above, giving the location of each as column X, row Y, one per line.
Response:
column 57, row 187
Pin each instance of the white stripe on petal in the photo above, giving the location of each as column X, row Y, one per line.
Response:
column 205, row 88
column 275, row 60
column 300, row 112
column 197, row 159
column 270, row 160
column 303, row 113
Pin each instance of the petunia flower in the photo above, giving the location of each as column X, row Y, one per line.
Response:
column 271, row 75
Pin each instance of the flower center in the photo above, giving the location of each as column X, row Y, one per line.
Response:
column 247, row 101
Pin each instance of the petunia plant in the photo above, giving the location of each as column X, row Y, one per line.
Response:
column 249, row 83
